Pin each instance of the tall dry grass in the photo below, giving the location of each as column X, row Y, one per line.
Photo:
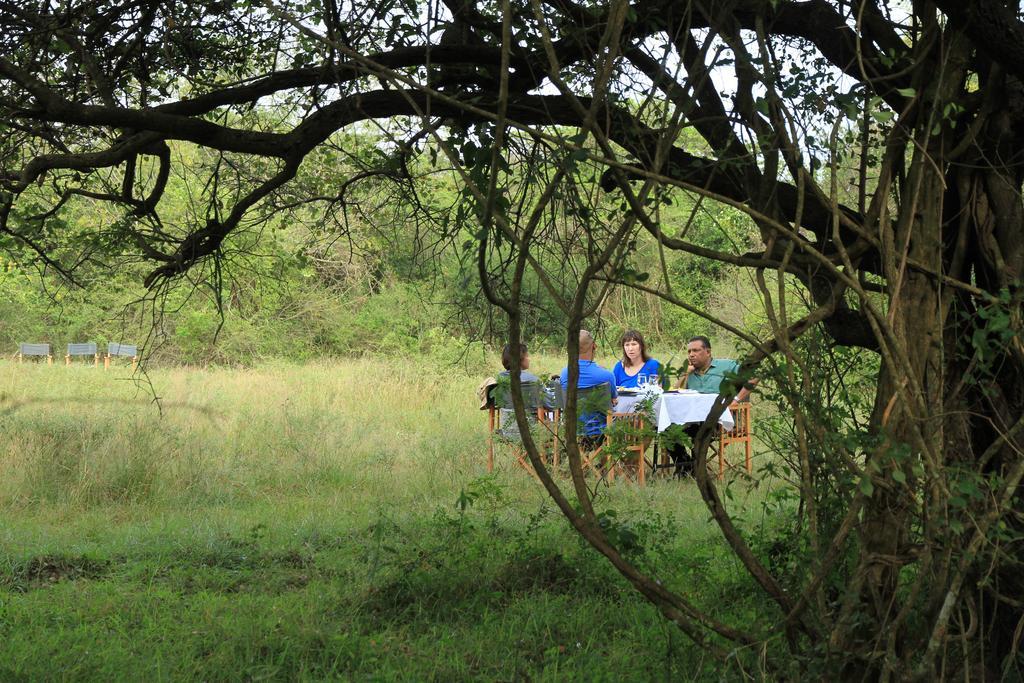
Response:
column 80, row 437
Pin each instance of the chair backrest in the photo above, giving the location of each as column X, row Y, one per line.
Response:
column 633, row 420
column 742, row 417
column 84, row 349
column 634, row 430
column 593, row 405
column 116, row 349
column 34, row 349
column 597, row 399
column 531, row 395
column 554, row 395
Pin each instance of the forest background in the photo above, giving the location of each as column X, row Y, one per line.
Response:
column 376, row 286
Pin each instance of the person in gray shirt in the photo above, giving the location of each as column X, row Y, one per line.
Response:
column 524, row 364
column 509, row 429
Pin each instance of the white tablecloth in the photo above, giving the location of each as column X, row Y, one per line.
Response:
column 670, row 409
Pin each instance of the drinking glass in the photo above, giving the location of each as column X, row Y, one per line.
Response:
column 641, row 381
column 653, row 380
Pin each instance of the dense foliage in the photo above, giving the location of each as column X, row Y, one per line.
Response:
column 876, row 147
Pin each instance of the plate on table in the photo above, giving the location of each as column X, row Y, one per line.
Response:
column 626, row 391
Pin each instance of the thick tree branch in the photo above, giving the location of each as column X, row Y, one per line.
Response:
column 993, row 27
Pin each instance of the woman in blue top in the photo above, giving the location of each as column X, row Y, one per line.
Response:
column 635, row 361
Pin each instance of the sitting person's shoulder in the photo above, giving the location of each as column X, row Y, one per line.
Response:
column 524, row 376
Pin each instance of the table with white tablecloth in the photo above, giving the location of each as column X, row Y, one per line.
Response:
column 678, row 408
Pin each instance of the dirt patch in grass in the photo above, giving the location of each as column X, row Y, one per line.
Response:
column 47, row 570
column 537, row 572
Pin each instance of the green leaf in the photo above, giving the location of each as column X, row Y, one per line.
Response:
column 866, row 487
column 899, row 476
column 907, row 92
column 579, row 138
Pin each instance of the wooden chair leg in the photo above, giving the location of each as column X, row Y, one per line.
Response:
column 491, row 438
column 558, row 416
column 591, row 461
column 746, row 434
column 106, row 362
column 49, row 360
column 641, row 466
column 67, row 360
column 721, row 458
column 543, row 451
column 524, row 462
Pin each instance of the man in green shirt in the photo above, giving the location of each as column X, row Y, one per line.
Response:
column 704, row 374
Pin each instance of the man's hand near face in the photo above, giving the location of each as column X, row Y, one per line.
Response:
column 681, row 384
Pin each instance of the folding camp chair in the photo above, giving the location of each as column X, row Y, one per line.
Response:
column 116, row 350
column 34, row 350
column 502, row 423
column 636, row 439
column 593, row 405
column 87, row 349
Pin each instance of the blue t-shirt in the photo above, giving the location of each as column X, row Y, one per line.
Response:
column 623, row 379
column 591, row 374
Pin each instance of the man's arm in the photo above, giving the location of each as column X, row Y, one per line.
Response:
column 745, row 392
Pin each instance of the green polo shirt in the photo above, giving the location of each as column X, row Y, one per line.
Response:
column 711, row 381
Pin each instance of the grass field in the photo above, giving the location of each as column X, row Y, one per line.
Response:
column 301, row 523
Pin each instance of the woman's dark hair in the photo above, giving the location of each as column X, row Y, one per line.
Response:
column 506, row 355
column 633, row 335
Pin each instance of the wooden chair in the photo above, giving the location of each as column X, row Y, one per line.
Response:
column 116, row 350
column 34, row 350
column 501, row 423
column 86, row 349
column 593, row 401
column 636, row 443
column 738, row 434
